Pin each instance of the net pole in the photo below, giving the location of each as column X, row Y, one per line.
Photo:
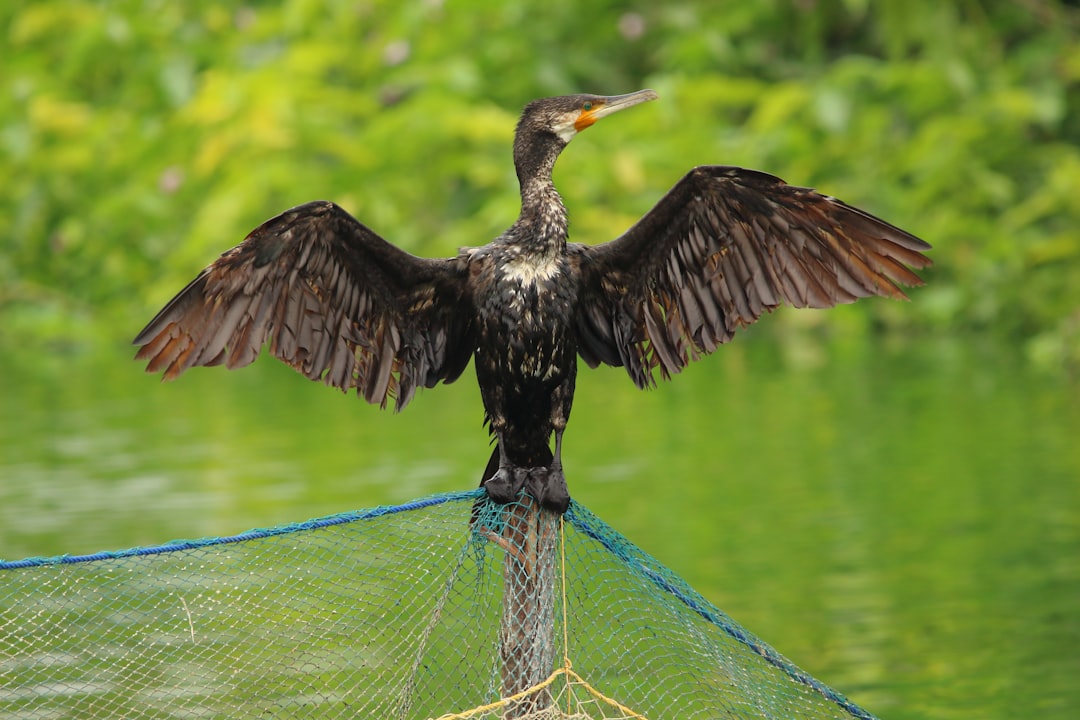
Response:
column 527, row 626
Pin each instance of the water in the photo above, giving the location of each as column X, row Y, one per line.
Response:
column 902, row 522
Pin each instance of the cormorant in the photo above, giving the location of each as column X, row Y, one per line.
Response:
column 342, row 305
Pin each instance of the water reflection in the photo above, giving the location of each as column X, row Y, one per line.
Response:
column 905, row 525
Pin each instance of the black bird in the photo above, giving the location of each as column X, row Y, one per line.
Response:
column 342, row 305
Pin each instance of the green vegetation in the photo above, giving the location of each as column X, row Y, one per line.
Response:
column 138, row 138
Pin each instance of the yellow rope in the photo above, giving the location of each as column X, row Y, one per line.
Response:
column 566, row 669
column 502, row 702
column 575, row 680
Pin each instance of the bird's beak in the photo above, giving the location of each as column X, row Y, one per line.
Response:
column 604, row 106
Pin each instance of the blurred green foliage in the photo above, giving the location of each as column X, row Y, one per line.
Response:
column 139, row 138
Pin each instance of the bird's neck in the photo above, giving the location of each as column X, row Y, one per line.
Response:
column 542, row 228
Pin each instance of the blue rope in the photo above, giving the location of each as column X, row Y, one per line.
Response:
column 257, row 534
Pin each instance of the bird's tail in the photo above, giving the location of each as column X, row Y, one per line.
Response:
column 492, row 465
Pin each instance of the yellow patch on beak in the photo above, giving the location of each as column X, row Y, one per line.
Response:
column 586, row 118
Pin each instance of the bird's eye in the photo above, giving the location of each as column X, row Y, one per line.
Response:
column 587, row 106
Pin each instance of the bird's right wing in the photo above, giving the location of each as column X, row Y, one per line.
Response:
column 722, row 247
column 333, row 299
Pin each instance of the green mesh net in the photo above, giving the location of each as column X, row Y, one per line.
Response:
column 447, row 607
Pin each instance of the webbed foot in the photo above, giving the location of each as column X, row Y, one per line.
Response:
column 548, row 486
column 504, row 486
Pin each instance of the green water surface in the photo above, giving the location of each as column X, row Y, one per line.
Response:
column 903, row 522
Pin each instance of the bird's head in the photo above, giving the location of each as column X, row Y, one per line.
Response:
column 568, row 115
column 548, row 124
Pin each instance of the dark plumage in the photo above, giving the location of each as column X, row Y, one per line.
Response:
column 341, row 305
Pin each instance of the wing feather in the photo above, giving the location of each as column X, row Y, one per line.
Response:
column 331, row 298
column 723, row 247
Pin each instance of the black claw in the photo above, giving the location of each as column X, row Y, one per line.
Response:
column 536, row 483
column 557, row 497
column 548, row 486
column 501, row 487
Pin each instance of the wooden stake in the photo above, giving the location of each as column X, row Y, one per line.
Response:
column 527, row 628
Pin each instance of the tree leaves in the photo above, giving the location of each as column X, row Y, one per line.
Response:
column 138, row 140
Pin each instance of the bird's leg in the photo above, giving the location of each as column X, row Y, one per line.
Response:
column 507, row 481
column 548, row 485
column 558, row 495
column 556, row 462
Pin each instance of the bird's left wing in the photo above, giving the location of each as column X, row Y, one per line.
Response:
column 333, row 299
column 722, row 247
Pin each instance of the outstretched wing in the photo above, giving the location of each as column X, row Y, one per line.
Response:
column 335, row 301
column 722, row 247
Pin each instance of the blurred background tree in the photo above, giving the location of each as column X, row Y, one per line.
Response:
column 139, row 138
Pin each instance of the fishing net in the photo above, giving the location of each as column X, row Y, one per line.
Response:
column 447, row 607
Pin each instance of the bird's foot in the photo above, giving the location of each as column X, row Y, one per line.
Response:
column 548, row 486
column 504, row 486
